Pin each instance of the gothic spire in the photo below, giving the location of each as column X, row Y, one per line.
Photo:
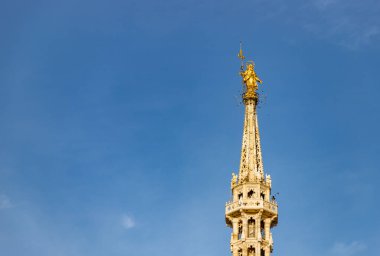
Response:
column 251, row 164
column 252, row 211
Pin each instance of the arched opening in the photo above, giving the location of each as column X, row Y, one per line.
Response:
column 251, row 227
column 262, row 252
column 251, row 194
column 240, row 198
column 262, row 195
column 240, row 252
column 240, row 229
column 262, row 229
column 251, row 251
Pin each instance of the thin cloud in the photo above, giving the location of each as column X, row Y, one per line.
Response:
column 364, row 37
column 322, row 4
column 347, row 249
column 349, row 23
column 128, row 222
column 5, row 202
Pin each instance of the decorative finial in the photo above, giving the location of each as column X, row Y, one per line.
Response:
column 233, row 180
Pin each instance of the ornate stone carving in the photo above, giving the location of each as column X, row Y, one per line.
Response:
column 251, row 213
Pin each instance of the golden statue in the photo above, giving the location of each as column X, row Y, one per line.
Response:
column 250, row 79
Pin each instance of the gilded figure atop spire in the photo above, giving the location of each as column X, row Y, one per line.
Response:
column 250, row 78
column 252, row 211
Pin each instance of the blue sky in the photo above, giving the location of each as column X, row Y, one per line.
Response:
column 121, row 124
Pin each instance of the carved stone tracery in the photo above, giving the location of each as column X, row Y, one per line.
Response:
column 251, row 213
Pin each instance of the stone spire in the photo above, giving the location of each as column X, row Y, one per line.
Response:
column 252, row 212
column 251, row 163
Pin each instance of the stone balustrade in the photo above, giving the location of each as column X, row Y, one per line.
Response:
column 251, row 204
